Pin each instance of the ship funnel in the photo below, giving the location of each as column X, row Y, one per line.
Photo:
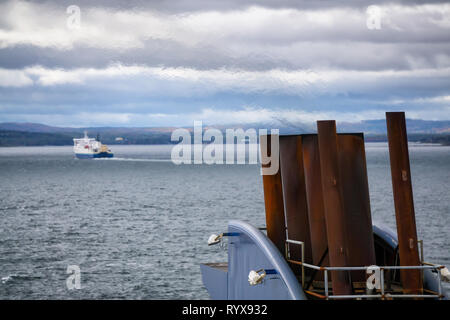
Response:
column 323, row 202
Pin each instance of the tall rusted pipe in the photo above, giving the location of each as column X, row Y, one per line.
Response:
column 294, row 192
column 314, row 196
column 356, row 201
column 333, row 205
column 273, row 200
column 403, row 201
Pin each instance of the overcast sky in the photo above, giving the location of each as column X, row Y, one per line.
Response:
column 168, row 63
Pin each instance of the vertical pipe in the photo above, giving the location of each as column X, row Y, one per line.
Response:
column 403, row 201
column 354, row 189
column 295, row 206
column 314, row 196
column 333, row 204
column 273, row 200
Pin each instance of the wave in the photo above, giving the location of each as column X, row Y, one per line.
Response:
column 133, row 159
column 7, row 278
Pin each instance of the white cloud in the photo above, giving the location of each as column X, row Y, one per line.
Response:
column 188, row 81
column 14, row 78
column 277, row 116
column 438, row 99
column 44, row 25
column 51, row 77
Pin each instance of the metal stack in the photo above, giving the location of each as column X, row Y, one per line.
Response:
column 320, row 197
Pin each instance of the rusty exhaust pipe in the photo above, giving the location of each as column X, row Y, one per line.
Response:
column 403, row 201
column 273, row 200
column 333, row 205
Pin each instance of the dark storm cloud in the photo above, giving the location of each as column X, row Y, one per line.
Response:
column 168, row 62
column 254, row 39
column 299, row 56
column 178, row 6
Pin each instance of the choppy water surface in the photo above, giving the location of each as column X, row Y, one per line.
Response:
column 137, row 225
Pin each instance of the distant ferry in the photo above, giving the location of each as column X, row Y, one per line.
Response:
column 86, row 148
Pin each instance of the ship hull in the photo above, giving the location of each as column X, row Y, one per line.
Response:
column 250, row 249
column 94, row 155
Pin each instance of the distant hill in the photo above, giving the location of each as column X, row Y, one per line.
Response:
column 37, row 127
column 371, row 127
column 20, row 138
column 33, row 127
column 28, row 134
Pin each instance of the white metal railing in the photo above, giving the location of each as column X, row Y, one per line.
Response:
column 382, row 294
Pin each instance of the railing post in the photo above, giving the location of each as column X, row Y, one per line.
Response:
column 302, row 246
column 302, row 255
column 286, row 250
